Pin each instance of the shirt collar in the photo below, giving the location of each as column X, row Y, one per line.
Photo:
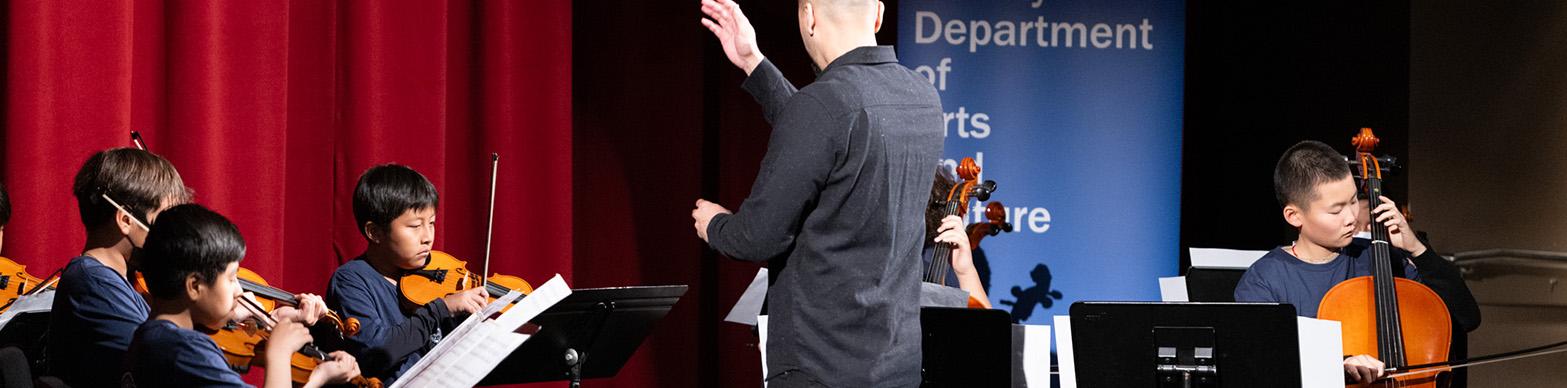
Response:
column 865, row 55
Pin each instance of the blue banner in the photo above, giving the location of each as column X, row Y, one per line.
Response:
column 1074, row 109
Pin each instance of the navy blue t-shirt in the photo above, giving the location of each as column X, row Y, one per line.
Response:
column 95, row 314
column 164, row 355
column 1280, row 277
column 389, row 341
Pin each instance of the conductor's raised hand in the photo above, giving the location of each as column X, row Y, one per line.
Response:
column 734, row 33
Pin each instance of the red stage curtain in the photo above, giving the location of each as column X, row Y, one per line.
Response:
column 271, row 109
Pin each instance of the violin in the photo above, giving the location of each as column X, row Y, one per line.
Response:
column 1399, row 321
column 306, row 359
column 239, row 341
column 956, row 204
column 15, row 281
column 995, row 223
column 444, row 274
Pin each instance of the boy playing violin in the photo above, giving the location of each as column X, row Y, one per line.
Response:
column 119, row 193
column 191, row 266
column 395, row 210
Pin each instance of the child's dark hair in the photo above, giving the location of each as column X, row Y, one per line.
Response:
column 187, row 240
column 386, row 191
column 1302, row 168
column 937, row 208
column 5, row 206
column 138, row 180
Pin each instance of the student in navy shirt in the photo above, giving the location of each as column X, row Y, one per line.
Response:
column 118, row 193
column 395, row 210
column 191, row 271
column 1313, row 184
column 1281, row 277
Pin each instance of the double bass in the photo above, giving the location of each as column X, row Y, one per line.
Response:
column 1399, row 321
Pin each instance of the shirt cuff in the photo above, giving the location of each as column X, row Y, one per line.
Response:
column 438, row 309
column 715, row 226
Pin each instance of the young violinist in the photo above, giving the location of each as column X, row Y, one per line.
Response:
column 1313, row 185
column 191, row 264
column 394, row 207
column 119, row 192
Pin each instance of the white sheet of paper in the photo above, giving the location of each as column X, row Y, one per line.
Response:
column 1224, row 258
column 474, row 348
column 1036, row 355
column 1321, row 353
column 761, row 344
column 43, row 301
column 750, row 304
column 1173, row 289
column 1067, row 363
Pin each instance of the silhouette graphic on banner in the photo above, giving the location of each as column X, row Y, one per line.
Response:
column 1039, row 294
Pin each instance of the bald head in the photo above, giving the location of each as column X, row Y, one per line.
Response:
column 847, row 13
column 833, row 27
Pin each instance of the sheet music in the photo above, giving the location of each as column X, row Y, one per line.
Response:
column 1036, row 356
column 1224, row 258
column 1067, row 362
column 1173, row 289
column 43, row 301
column 474, row 348
column 1321, row 353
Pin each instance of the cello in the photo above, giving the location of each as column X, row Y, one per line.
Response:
column 956, row 205
column 1399, row 321
column 995, row 223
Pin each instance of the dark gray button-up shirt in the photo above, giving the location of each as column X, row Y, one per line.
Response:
column 841, row 197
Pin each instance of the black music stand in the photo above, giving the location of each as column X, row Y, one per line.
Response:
column 965, row 347
column 1212, row 284
column 1146, row 344
column 590, row 334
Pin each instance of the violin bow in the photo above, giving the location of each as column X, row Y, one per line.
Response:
column 489, row 230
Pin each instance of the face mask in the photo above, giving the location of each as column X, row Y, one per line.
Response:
column 136, row 251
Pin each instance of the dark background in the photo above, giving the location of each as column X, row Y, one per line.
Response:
column 660, row 120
